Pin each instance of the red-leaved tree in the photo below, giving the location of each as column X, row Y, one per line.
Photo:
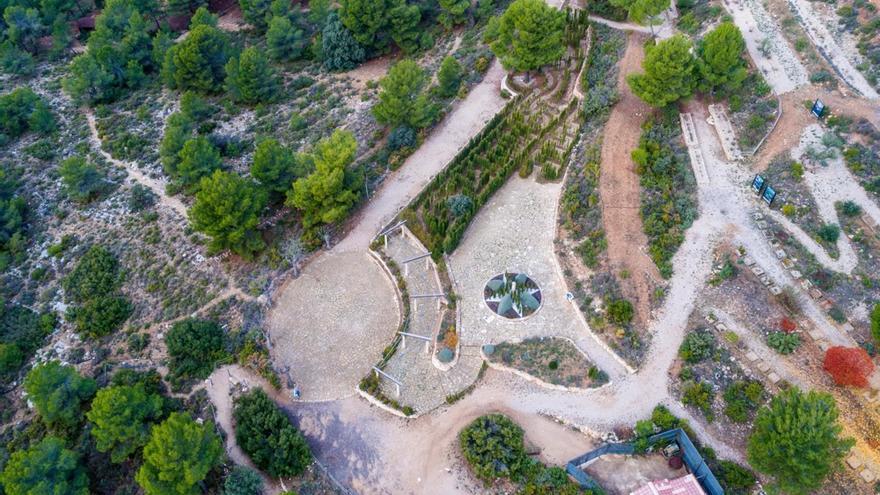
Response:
column 849, row 366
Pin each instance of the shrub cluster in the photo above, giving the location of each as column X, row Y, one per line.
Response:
column 493, row 447
column 267, row 436
column 196, row 347
column 697, row 346
column 668, row 202
column 742, row 399
column 22, row 110
column 97, row 307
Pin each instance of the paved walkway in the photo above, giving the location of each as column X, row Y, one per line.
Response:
column 515, row 232
column 424, row 386
column 331, row 325
column 342, row 295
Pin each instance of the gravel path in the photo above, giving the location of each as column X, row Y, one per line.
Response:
column 842, row 59
column 463, row 122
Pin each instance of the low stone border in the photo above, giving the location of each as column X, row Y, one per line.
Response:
column 448, row 366
column 772, row 127
column 537, row 381
column 558, row 268
column 506, row 87
column 376, row 402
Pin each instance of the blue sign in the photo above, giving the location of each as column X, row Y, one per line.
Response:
column 758, row 183
column 769, row 195
column 818, row 108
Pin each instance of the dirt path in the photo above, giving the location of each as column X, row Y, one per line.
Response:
column 796, row 117
column 463, row 122
column 158, row 187
column 619, row 189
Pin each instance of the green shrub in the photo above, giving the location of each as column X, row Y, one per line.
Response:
column 797, row 170
column 96, row 274
column 850, row 209
column 735, row 479
column 266, row 435
column 783, row 343
column 742, row 398
column 829, row 233
column 493, row 447
column 697, row 346
column 195, row 348
column 701, row 396
column 620, row 311
column 243, row 481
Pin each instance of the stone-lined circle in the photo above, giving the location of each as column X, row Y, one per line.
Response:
column 512, row 295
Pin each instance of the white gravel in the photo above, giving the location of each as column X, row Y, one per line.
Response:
column 842, row 56
column 781, row 67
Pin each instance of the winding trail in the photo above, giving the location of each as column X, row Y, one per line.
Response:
column 134, row 173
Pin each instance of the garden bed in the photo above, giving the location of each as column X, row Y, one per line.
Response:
column 552, row 360
column 668, row 188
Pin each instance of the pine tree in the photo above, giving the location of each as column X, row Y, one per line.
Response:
column 401, row 100
column 198, row 61
column 255, row 12
column 250, row 78
column 284, row 41
column 796, row 440
column 341, row 51
column 721, row 61
column 404, row 22
column 121, row 417
column 58, row 392
column 46, row 467
column 276, row 166
column 367, row 20
column 528, row 35
column 198, row 158
column 179, row 456
column 227, row 208
column 322, row 196
column 203, row 17
column 670, row 71
column 449, row 76
column 178, row 130
column 454, row 12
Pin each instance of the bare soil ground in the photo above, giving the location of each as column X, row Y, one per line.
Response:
column 619, row 188
column 796, row 117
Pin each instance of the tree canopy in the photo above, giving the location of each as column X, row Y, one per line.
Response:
column 340, row 49
column 721, row 62
column 267, row 436
column 58, row 392
column 670, row 71
column 250, row 78
column 178, row 456
column 449, row 76
column 195, row 347
column 46, row 468
column 796, row 440
column 276, row 167
column 198, row 62
column 528, row 35
column 642, row 10
column 323, row 196
column 227, row 208
column 402, row 99
column 122, row 417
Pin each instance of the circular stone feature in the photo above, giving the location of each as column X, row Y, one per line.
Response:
column 512, row 295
